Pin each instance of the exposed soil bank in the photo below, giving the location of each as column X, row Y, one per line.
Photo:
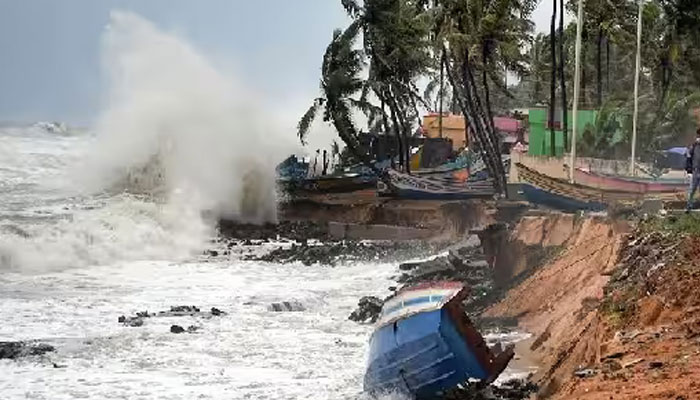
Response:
column 447, row 219
column 614, row 314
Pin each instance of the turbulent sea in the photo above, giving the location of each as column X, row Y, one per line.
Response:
column 72, row 264
column 76, row 251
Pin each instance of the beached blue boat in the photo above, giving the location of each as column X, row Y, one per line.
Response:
column 557, row 201
column 425, row 345
column 455, row 185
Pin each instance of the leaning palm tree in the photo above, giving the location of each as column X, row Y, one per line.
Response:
column 340, row 81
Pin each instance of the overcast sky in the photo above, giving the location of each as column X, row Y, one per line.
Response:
column 50, row 49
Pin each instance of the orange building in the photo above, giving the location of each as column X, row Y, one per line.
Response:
column 452, row 128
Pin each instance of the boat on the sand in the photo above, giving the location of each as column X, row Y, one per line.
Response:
column 329, row 184
column 455, row 185
column 424, row 344
column 560, row 194
column 628, row 184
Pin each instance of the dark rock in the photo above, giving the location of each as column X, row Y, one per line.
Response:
column 212, row 253
column 15, row 350
column 193, row 329
column 344, row 251
column 58, row 365
column 134, row 322
column 184, row 309
column 287, row 306
column 513, row 390
column 216, row 312
column 368, row 310
column 409, row 266
column 656, row 365
column 177, row 329
column 613, row 356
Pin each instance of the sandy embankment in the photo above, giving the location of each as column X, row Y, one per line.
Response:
column 588, row 346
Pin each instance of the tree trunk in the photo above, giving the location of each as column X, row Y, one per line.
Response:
column 441, row 91
column 562, row 77
column 462, row 104
column 607, row 64
column 397, row 133
column 325, row 162
column 401, row 111
column 599, row 68
column 485, row 82
column 476, row 122
column 385, row 123
column 553, row 83
column 488, row 128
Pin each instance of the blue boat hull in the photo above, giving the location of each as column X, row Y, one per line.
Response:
column 424, row 355
column 536, row 195
column 411, row 194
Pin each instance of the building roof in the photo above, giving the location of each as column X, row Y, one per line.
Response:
column 505, row 124
column 450, row 121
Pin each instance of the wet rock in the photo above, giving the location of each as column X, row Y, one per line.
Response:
column 184, row 309
column 368, row 310
column 216, row 312
column 177, row 329
column 513, row 390
column 287, row 306
column 133, row 322
column 295, row 230
column 334, row 253
column 15, row 350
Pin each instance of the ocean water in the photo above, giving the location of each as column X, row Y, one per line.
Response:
column 71, row 264
column 65, row 278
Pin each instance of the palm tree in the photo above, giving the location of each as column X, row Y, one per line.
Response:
column 553, row 84
column 562, row 77
column 340, row 80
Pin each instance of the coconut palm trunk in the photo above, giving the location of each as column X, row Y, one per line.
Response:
column 553, row 83
column 562, row 78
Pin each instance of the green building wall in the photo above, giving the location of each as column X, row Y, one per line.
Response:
column 540, row 143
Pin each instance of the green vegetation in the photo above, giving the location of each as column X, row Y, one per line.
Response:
column 669, row 81
column 400, row 58
column 679, row 224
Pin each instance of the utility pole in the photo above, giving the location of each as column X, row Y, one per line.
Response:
column 577, row 88
column 635, row 117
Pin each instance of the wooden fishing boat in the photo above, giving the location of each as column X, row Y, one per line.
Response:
column 424, row 344
column 558, row 193
column 641, row 186
column 456, row 185
column 329, row 184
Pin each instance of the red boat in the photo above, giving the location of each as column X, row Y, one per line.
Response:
column 625, row 184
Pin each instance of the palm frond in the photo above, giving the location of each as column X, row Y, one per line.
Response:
column 307, row 119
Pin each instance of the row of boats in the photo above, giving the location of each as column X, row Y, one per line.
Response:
column 463, row 178
column 468, row 178
column 594, row 191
